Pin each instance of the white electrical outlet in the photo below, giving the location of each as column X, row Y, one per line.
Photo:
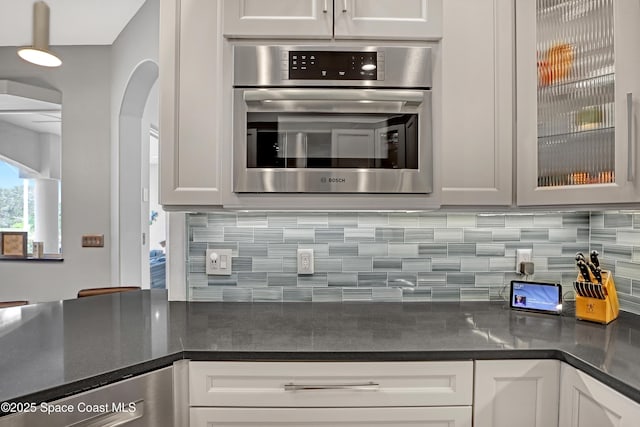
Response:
column 523, row 255
column 218, row 262
column 305, row 261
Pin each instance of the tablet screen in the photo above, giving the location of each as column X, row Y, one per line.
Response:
column 536, row 296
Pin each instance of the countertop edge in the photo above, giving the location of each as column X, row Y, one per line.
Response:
column 370, row 356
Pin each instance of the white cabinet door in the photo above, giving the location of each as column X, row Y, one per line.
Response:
column 584, row 150
column 459, row 416
column 627, row 100
column 278, row 18
column 586, row 402
column 372, row 19
column 388, row 19
column 191, row 67
column 477, row 102
column 522, row 393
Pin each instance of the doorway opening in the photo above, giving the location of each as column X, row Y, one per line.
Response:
column 138, row 117
column 157, row 219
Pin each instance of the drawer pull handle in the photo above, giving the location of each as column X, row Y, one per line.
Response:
column 370, row 386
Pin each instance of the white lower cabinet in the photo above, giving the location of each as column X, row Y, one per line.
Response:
column 334, row 417
column 586, row 402
column 522, row 393
column 330, row 393
column 493, row 393
column 330, row 384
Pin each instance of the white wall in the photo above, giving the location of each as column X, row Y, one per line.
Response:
column 137, row 43
column 37, row 155
column 92, row 80
column 84, row 80
column 21, row 146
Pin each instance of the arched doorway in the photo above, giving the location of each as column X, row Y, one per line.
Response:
column 134, row 128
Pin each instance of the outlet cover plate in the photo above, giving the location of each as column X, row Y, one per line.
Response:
column 523, row 255
column 305, row 261
column 218, row 262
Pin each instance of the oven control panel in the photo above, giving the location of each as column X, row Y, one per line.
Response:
column 334, row 65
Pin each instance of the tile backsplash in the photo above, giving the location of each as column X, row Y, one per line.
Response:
column 392, row 256
column 428, row 256
column 616, row 236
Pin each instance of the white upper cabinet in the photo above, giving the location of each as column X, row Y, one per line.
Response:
column 578, row 102
column 375, row 19
column 477, row 102
column 189, row 90
column 388, row 19
column 278, row 18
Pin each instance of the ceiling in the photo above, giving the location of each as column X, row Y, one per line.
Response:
column 72, row 22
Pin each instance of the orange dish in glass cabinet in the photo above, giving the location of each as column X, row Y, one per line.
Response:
column 555, row 64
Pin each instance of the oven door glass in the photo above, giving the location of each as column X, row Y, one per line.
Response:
column 320, row 140
column 332, row 140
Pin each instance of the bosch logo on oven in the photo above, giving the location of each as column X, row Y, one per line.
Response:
column 324, row 180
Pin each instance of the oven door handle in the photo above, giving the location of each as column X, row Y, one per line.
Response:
column 407, row 97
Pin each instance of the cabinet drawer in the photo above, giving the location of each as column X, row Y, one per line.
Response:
column 459, row 416
column 327, row 384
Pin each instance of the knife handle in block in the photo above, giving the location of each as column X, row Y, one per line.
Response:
column 584, row 271
column 595, row 272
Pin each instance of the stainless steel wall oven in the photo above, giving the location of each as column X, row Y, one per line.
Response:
column 311, row 119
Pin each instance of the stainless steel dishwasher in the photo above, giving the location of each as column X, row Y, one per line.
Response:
column 141, row 401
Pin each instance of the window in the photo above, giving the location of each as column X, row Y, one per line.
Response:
column 18, row 206
column 30, row 163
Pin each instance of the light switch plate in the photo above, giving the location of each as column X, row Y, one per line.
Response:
column 218, row 262
column 93, row 240
column 305, row 261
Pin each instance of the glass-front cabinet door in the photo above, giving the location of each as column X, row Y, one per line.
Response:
column 578, row 94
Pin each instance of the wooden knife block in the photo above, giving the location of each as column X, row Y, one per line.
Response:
column 599, row 310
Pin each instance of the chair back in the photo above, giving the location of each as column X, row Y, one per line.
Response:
column 89, row 292
column 5, row 304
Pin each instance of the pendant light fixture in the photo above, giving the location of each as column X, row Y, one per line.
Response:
column 39, row 53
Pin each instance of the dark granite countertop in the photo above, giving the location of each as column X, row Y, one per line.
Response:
column 51, row 350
